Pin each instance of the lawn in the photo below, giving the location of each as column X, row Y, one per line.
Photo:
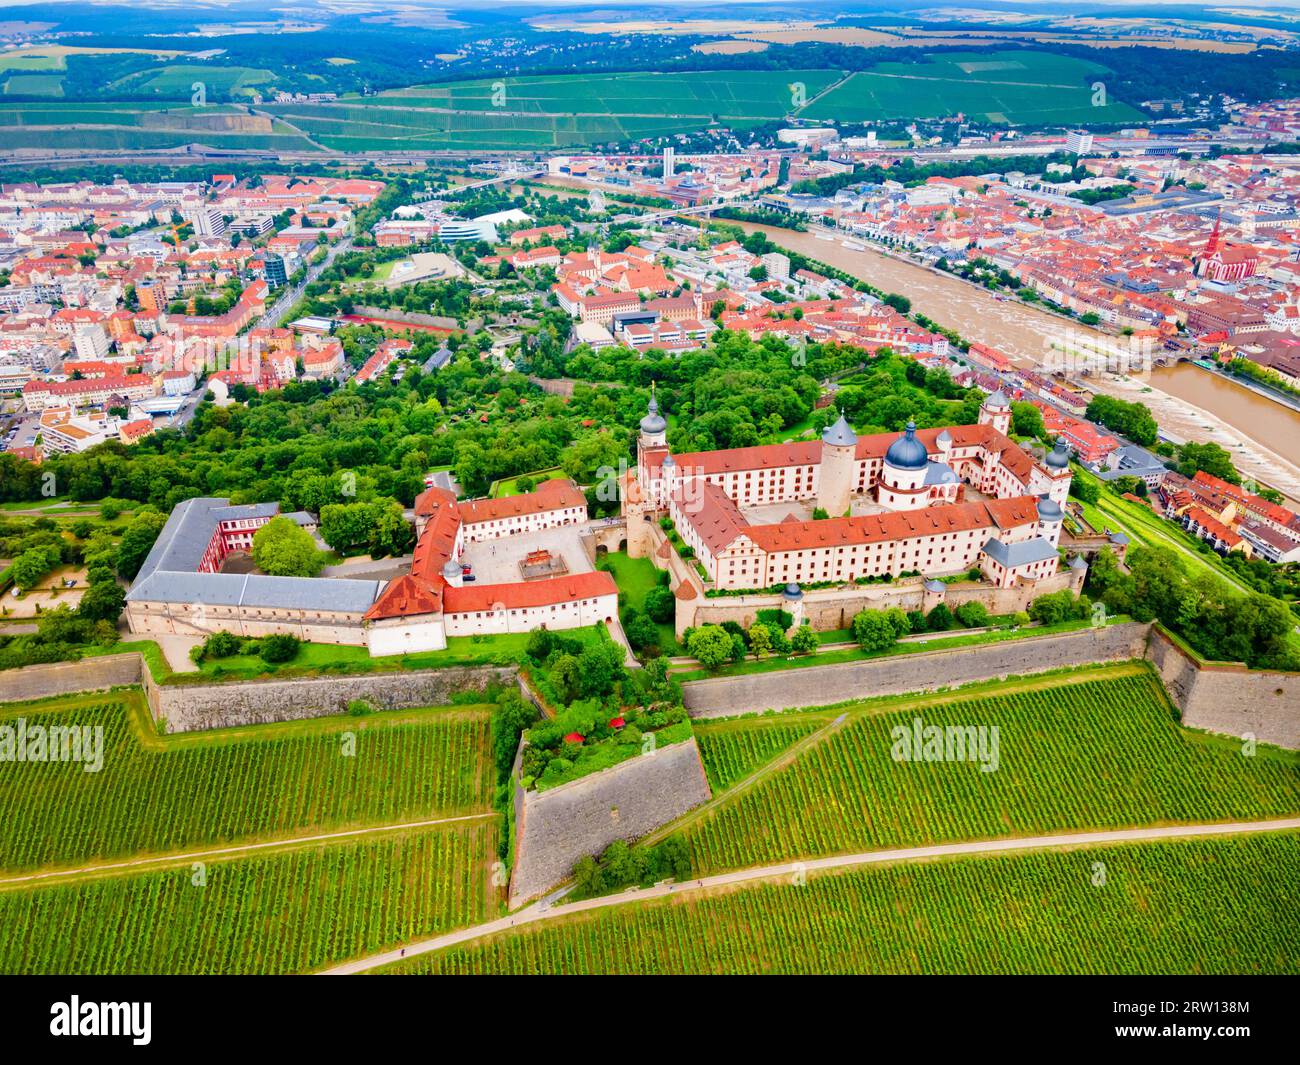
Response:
column 855, row 654
column 314, row 659
column 161, row 794
column 510, row 485
column 1031, row 913
column 1100, row 749
column 635, row 577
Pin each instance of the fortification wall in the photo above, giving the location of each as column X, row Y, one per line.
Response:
column 555, row 828
column 1226, row 696
column 833, row 608
column 919, row 671
column 191, row 707
column 67, row 678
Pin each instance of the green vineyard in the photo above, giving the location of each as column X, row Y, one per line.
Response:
column 731, row 751
column 1097, row 753
column 159, row 794
column 291, row 911
column 1197, row 906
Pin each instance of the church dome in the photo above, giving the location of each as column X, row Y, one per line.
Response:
column 907, row 452
column 1059, row 457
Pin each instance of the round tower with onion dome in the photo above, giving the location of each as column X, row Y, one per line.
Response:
column 838, row 466
column 996, row 411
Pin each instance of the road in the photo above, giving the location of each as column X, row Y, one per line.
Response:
column 540, row 911
column 288, row 297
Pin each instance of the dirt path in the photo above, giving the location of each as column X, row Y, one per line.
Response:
column 538, row 912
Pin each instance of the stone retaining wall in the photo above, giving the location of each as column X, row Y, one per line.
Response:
column 67, row 678
column 1227, row 697
column 555, row 828
column 191, row 707
column 919, row 671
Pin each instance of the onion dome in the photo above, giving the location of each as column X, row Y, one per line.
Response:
column 1049, row 509
column 907, row 452
column 653, row 422
column 840, row 434
column 792, row 592
column 1059, row 457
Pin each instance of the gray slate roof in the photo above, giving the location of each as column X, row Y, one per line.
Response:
column 840, row 434
column 170, row 571
column 1021, row 553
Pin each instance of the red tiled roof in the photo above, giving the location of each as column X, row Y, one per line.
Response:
column 554, row 590
column 549, row 495
column 406, row 597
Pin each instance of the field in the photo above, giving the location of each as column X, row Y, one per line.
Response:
column 41, row 124
column 1094, row 753
column 288, row 911
column 1196, row 906
column 559, row 111
column 157, row 795
column 732, row 750
column 1016, row 87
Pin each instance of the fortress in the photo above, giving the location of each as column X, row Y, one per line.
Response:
column 934, row 501
column 181, row 589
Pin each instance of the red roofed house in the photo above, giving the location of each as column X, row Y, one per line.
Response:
column 419, row 611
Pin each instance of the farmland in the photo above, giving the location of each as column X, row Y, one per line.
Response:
column 287, row 911
column 1016, row 87
column 1093, row 753
column 156, row 795
column 559, row 111
column 731, row 750
column 1038, row 912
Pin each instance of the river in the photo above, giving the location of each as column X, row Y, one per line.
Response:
column 1262, row 435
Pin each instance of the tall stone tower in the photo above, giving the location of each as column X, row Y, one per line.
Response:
column 654, row 429
column 838, row 465
column 996, row 411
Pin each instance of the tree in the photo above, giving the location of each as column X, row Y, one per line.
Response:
column 102, row 602
column 760, row 640
column 711, row 646
column 137, row 541
column 588, row 879
column 278, row 647
column 640, row 630
column 566, row 677
column 32, row 565
column 873, row 630
column 939, row 619
column 283, row 548
column 1211, row 458
column 661, row 604
column 1026, row 420
column 804, row 641
column 972, row 615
